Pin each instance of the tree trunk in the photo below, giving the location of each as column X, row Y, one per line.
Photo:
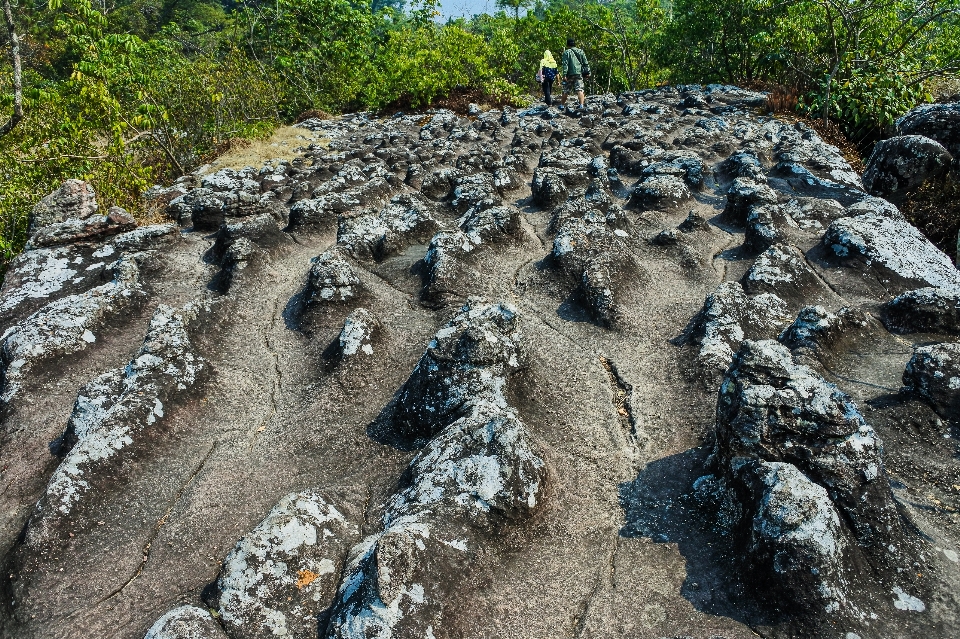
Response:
column 17, row 72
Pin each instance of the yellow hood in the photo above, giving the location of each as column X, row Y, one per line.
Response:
column 548, row 62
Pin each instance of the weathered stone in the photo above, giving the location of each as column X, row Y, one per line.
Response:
column 92, row 228
column 901, row 164
column 378, row 235
column 67, row 325
column 728, row 317
column 940, row 122
column 74, row 198
column 743, row 194
column 892, row 247
column 113, row 410
column 186, row 622
column 331, row 279
column 810, row 495
column 818, row 330
column 925, row 310
column 933, row 374
column 284, row 572
column 360, row 330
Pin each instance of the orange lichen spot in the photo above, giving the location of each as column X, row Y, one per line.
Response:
column 305, row 578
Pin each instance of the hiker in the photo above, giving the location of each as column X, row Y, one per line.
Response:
column 575, row 69
column 546, row 75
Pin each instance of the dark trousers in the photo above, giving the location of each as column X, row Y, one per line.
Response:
column 547, row 91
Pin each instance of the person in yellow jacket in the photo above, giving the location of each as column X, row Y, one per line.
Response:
column 546, row 75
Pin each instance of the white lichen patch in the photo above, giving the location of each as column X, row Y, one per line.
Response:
column 358, row 333
column 66, row 325
column 907, row 602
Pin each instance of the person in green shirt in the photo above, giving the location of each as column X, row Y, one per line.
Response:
column 575, row 69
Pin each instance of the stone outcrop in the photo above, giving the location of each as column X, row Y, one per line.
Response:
column 940, row 122
column 478, row 469
column 901, row 164
column 74, row 199
column 808, row 494
column 933, row 374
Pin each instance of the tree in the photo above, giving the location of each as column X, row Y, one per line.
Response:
column 17, row 114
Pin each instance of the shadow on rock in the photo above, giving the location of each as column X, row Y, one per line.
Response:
column 660, row 504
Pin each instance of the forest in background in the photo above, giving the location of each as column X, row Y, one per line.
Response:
column 128, row 93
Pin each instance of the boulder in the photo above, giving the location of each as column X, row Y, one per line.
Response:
column 111, row 413
column 893, row 248
column 74, row 229
column 728, row 317
column 331, row 279
column 281, row 575
column 924, row 310
column 818, row 330
column 378, row 235
column 465, row 363
column 744, row 193
column 186, row 622
column 933, row 374
column 360, row 331
column 74, row 199
column 940, row 122
column 783, row 270
column 595, row 258
column 804, row 496
column 901, row 164
column 67, row 325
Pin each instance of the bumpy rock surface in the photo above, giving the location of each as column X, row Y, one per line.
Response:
column 901, row 164
column 362, row 447
column 186, row 622
column 925, row 310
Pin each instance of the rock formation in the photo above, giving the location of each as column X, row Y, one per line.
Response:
column 662, row 368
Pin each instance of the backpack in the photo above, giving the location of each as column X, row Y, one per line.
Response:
column 549, row 74
column 582, row 57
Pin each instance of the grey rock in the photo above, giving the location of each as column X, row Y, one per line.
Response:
column 728, row 317
column 818, row 330
column 940, row 122
column 743, row 194
column 901, row 164
column 478, row 471
column 661, row 189
column 92, row 228
column 74, row 198
column 892, row 247
column 361, row 329
column 284, row 572
column 804, row 470
column 924, row 310
column 783, row 270
column 407, row 218
column 67, row 325
column 933, row 374
column 331, row 279
column 111, row 413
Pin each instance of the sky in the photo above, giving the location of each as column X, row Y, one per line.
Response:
column 457, row 8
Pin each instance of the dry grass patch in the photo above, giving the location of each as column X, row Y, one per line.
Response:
column 283, row 144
